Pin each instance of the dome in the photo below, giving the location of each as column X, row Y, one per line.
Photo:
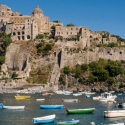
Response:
column 37, row 10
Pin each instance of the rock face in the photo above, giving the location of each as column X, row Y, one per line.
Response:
column 16, row 57
column 4, row 68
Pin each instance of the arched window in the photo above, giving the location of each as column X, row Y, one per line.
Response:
column 14, row 33
column 28, row 36
column 22, row 37
column 18, row 37
column 18, row 33
column 23, row 32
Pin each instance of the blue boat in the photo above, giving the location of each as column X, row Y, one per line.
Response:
column 45, row 119
column 73, row 122
column 51, row 106
column 1, row 105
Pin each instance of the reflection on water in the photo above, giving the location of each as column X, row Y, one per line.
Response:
column 32, row 110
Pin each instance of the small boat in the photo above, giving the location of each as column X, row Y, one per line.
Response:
column 111, row 91
column 51, row 106
column 87, row 96
column 70, row 100
column 115, row 124
column 77, row 94
column 46, row 94
column 13, row 107
column 73, row 122
column 96, row 97
column 89, row 93
column 107, row 97
column 18, row 97
column 67, row 92
column 119, row 93
column 1, row 105
column 45, row 119
column 80, row 111
column 114, row 113
column 59, row 92
column 40, row 99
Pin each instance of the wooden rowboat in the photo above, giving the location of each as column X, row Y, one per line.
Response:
column 46, row 94
column 13, row 107
column 80, row 111
column 22, row 97
column 73, row 122
column 45, row 119
column 51, row 106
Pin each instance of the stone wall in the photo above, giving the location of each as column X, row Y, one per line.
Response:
column 69, row 58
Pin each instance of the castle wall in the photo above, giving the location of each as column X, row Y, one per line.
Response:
column 85, row 57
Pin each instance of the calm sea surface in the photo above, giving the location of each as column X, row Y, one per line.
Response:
column 32, row 109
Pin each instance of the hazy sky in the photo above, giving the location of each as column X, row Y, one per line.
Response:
column 98, row 15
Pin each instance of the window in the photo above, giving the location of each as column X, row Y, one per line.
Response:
column 28, row 36
column 14, row 33
column 71, row 32
column 18, row 33
column 67, row 32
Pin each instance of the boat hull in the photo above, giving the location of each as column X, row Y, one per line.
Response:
column 22, row 97
column 116, row 113
column 80, row 111
column 45, row 119
column 1, row 105
column 13, row 107
column 73, row 122
column 35, row 121
column 70, row 100
column 51, row 106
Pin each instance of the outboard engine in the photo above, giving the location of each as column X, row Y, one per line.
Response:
column 120, row 105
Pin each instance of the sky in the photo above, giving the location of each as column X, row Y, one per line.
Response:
column 97, row 15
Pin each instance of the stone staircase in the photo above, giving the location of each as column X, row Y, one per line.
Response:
column 55, row 74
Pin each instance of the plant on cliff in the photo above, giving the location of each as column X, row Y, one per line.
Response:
column 66, row 70
column 5, row 41
column 14, row 75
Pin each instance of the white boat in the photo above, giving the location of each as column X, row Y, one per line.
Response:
column 45, row 119
column 111, row 91
column 13, row 107
column 70, row 100
column 115, row 124
column 40, row 99
column 114, row 113
column 59, row 92
column 89, row 93
column 67, row 92
column 96, row 97
column 77, row 94
column 107, row 97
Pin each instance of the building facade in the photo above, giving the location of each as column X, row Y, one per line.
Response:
column 23, row 27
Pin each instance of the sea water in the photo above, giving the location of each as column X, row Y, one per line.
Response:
column 32, row 109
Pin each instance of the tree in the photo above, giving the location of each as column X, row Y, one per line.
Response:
column 114, row 68
column 111, row 81
column 47, row 47
column 101, row 73
column 70, row 24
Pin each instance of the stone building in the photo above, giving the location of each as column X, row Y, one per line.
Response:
column 24, row 27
